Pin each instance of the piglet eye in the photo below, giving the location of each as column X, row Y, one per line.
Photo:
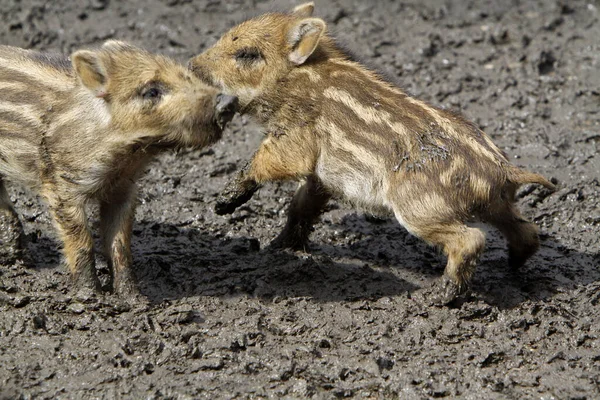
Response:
column 151, row 93
column 248, row 55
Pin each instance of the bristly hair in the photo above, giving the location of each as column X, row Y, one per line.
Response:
column 385, row 77
column 52, row 59
column 368, row 64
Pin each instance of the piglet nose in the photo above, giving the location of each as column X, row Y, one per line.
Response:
column 226, row 108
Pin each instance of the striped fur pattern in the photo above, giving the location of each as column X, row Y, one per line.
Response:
column 84, row 129
column 346, row 132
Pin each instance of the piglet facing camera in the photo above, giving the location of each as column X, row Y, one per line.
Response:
column 348, row 133
column 85, row 130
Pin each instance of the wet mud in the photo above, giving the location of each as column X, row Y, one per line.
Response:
column 224, row 316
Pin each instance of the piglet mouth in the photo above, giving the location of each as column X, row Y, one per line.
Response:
column 225, row 109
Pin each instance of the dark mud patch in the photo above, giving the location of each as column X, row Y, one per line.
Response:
column 227, row 317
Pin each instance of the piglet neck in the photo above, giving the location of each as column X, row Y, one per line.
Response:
column 93, row 108
column 293, row 101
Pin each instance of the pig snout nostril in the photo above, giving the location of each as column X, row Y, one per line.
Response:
column 226, row 108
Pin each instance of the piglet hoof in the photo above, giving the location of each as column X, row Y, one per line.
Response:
column 125, row 287
column 224, row 206
column 442, row 292
column 235, row 195
column 87, row 281
column 516, row 259
column 289, row 240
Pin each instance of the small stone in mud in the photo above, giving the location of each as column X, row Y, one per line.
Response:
column 184, row 314
column 343, row 393
column 384, row 364
column 99, row 4
column 39, row 321
column 196, row 353
column 76, row 308
column 21, row 301
column 149, row 368
column 546, row 62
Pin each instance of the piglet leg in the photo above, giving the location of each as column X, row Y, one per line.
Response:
column 116, row 222
column 71, row 220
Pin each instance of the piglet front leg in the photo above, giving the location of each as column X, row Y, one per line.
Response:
column 71, row 221
column 116, row 219
column 236, row 193
column 11, row 230
column 278, row 158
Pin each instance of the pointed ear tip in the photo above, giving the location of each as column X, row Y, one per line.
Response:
column 316, row 22
column 80, row 55
column 116, row 45
column 304, row 9
column 113, row 42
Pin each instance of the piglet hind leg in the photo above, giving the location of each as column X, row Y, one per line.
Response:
column 11, row 230
column 116, row 223
column 461, row 244
column 522, row 235
column 303, row 212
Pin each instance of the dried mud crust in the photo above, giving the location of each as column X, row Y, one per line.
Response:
column 227, row 317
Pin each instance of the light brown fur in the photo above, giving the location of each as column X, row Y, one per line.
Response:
column 84, row 129
column 351, row 134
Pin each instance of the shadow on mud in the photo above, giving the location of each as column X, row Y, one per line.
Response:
column 173, row 262
column 553, row 269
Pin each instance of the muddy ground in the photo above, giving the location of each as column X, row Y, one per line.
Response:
column 228, row 318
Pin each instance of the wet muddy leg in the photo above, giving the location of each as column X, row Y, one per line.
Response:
column 78, row 247
column 522, row 236
column 11, row 230
column 237, row 192
column 303, row 212
column 116, row 223
column 463, row 246
column 277, row 159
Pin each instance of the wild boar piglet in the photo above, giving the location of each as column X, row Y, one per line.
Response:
column 85, row 129
column 346, row 132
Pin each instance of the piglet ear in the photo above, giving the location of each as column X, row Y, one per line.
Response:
column 304, row 10
column 303, row 37
column 91, row 71
column 117, row 45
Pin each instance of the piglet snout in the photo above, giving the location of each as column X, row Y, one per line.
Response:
column 226, row 107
